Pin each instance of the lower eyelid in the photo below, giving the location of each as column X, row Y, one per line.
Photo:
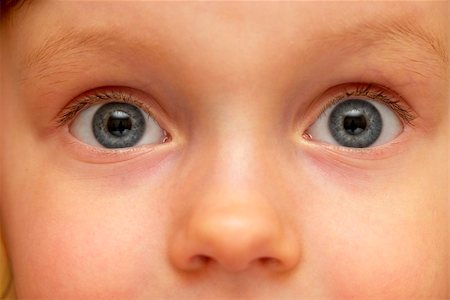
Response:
column 82, row 152
column 359, row 157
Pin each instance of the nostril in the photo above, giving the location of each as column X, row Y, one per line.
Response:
column 198, row 261
column 270, row 262
column 274, row 264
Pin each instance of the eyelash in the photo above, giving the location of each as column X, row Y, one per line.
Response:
column 377, row 93
column 71, row 111
column 369, row 90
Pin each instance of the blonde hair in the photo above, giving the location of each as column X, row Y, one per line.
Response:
column 6, row 286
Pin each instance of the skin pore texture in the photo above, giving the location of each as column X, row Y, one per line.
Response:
column 238, row 202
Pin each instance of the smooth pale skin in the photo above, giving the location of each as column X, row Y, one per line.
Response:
column 278, row 216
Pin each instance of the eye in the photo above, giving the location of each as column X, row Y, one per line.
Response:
column 116, row 125
column 356, row 123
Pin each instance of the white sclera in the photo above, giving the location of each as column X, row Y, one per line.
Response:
column 81, row 128
column 391, row 128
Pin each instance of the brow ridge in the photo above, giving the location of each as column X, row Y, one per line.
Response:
column 402, row 31
column 70, row 43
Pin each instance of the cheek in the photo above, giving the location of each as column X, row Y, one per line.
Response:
column 378, row 232
column 387, row 263
column 387, row 242
column 83, row 238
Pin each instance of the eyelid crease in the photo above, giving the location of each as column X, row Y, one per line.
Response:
column 377, row 93
column 71, row 111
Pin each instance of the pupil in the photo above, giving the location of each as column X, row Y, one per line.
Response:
column 355, row 124
column 119, row 123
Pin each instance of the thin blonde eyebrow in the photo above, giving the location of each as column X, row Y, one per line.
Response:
column 396, row 33
column 69, row 41
column 409, row 33
column 64, row 47
column 63, row 52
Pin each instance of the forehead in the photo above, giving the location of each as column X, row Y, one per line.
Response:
column 228, row 42
column 230, row 26
column 292, row 21
column 238, row 31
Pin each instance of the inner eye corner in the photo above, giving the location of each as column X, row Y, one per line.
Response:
column 167, row 137
column 307, row 136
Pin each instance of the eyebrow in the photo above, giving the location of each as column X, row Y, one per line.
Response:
column 398, row 33
column 64, row 51
column 68, row 48
column 408, row 32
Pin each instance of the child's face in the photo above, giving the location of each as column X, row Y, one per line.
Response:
column 241, row 190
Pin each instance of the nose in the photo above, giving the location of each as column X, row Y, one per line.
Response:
column 234, row 234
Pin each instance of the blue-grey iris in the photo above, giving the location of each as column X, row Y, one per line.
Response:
column 118, row 125
column 355, row 123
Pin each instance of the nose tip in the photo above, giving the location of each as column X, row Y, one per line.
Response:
column 234, row 241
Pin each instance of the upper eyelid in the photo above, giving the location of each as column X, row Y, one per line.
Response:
column 372, row 91
column 375, row 92
column 99, row 96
